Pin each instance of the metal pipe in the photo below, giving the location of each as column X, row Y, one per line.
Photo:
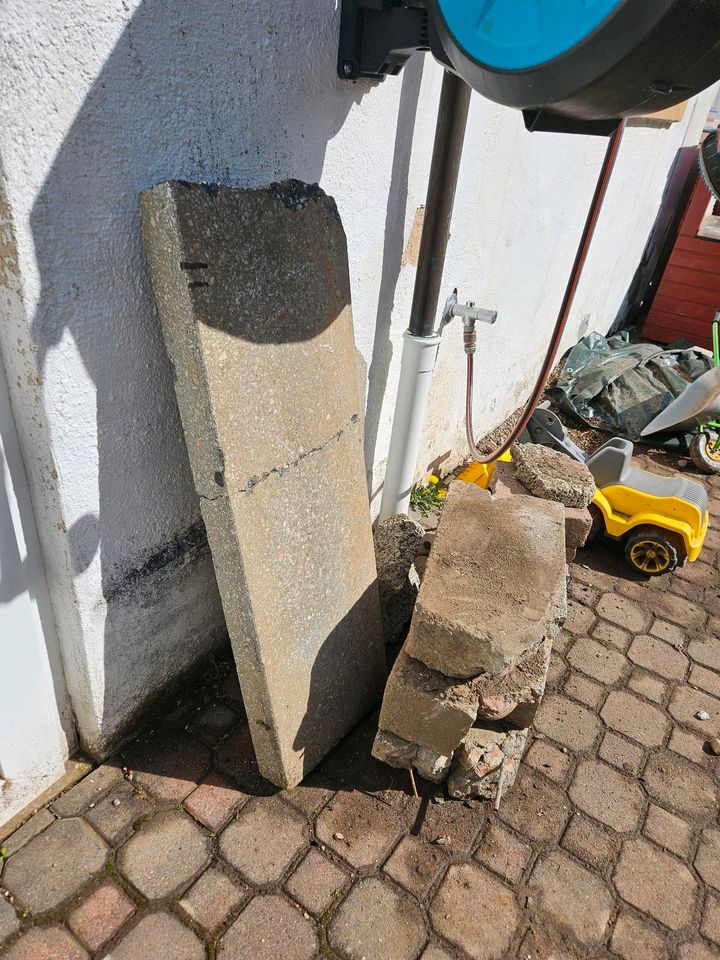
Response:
column 447, row 153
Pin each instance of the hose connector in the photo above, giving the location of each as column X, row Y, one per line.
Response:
column 470, row 315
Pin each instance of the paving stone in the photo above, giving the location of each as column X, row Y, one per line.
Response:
column 359, row 828
column 435, row 953
column 710, row 927
column 707, row 859
column 375, row 922
column 556, row 671
column 610, row 633
column 160, row 936
column 580, row 688
column 9, row 922
column 590, row 842
column 668, row 831
column 35, row 825
column 55, row 865
column 213, row 898
column 264, row 840
column 705, row 652
column 459, row 824
column 550, row 761
column 681, row 786
column 596, row 578
column 582, row 592
column 316, row 882
column 235, row 758
column 697, row 951
column 113, row 817
column 535, row 809
column 636, row 719
column 668, row 632
column 90, row 789
column 623, row 612
column 562, row 641
column 580, row 618
column 100, row 917
column 659, row 657
column 503, row 853
column 634, row 940
column 647, row 685
column 685, row 703
column 621, row 754
column 46, row 943
column 620, row 802
column 690, row 746
column 597, row 661
column 415, row 865
column 213, row 723
column 574, row 897
column 214, row 802
column 164, row 855
column 656, row 883
column 307, row 798
column 483, row 934
column 168, row 765
column 677, row 610
column 567, row 723
column 707, row 680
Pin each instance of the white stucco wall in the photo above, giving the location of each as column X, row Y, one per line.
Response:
column 102, row 100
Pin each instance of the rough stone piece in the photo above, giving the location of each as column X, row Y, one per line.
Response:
column 656, row 883
column 53, row 866
column 573, row 896
column 164, row 855
column 486, row 763
column 376, row 922
column 402, row 754
column 100, row 917
column 251, row 284
column 264, row 840
column 160, row 936
column 269, row 928
column 493, row 583
column 578, row 523
column 553, row 475
column 397, row 541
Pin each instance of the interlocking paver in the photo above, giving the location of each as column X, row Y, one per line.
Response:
column 618, row 804
column 590, row 842
column 573, row 896
column 99, row 918
column 90, row 789
column 656, row 883
column 669, row 632
column 484, row 934
column 31, row 828
column 415, row 864
column 160, row 936
column 697, row 951
column 707, row 680
column 710, row 927
column 168, row 766
column 55, row 865
column 213, row 898
column 550, row 761
column 678, row 610
column 114, row 817
column 705, row 652
column 316, row 882
column 264, row 840
column 690, row 746
column 658, row 657
column 677, row 784
column 623, row 612
column 9, row 922
column 612, row 634
column 647, row 685
column 686, row 703
column 458, row 824
column 269, row 928
column 375, row 921
column 636, row 719
column 535, row 809
column 46, row 943
column 621, row 753
column 503, row 853
column 580, row 618
column 213, row 723
column 581, row 688
column 433, row 952
column 634, row 940
column 307, row 798
column 668, row 831
column 359, row 828
column 604, row 664
column 567, row 723
column 707, row 859
column 214, row 802
column 164, row 855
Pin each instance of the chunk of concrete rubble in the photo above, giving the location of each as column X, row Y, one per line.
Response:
column 486, row 757
column 492, row 583
column 578, row 523
column 552, row 475
column 253, row 292
column 504, row 483
column 397, row 752
column 397, row 542
column 515, row 697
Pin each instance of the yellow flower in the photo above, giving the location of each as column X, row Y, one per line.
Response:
column 442, row 494
column 433, row 479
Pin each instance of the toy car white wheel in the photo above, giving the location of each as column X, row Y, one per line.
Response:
column 651, row 551
column 705, row 452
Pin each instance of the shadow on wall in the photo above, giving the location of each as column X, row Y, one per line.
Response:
column 235, row 92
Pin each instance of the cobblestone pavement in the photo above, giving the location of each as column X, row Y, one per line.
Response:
column 608, row 845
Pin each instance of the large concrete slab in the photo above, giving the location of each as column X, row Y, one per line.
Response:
column 253, row 292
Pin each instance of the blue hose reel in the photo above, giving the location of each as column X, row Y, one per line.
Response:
column 575, row 65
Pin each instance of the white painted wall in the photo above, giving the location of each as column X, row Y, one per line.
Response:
column 102, row 100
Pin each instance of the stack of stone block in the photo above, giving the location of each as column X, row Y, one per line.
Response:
column 471, row 674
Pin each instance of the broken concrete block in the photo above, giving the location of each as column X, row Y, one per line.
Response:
column 504, row 483
column 553, row 475
column 578, row 523
column 397, row 542
column 424, row 707
column 486, row 763
column 399, row 753
column 432, row 766
column 491, row 584
column 517, row 695
column 253, row 293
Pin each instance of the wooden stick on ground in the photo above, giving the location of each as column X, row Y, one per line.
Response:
column 412, row 781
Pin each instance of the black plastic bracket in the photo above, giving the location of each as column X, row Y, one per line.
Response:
column 377, row 37
column 545, row 121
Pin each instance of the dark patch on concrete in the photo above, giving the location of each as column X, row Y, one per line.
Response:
column 295, row 195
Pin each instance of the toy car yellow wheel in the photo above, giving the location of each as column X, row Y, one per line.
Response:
column 705, row 452
column 651, row 551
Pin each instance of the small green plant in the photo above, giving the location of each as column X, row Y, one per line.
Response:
column 3, row 854
column 426, row 497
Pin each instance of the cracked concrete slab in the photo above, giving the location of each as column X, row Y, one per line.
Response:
column 253, row 292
